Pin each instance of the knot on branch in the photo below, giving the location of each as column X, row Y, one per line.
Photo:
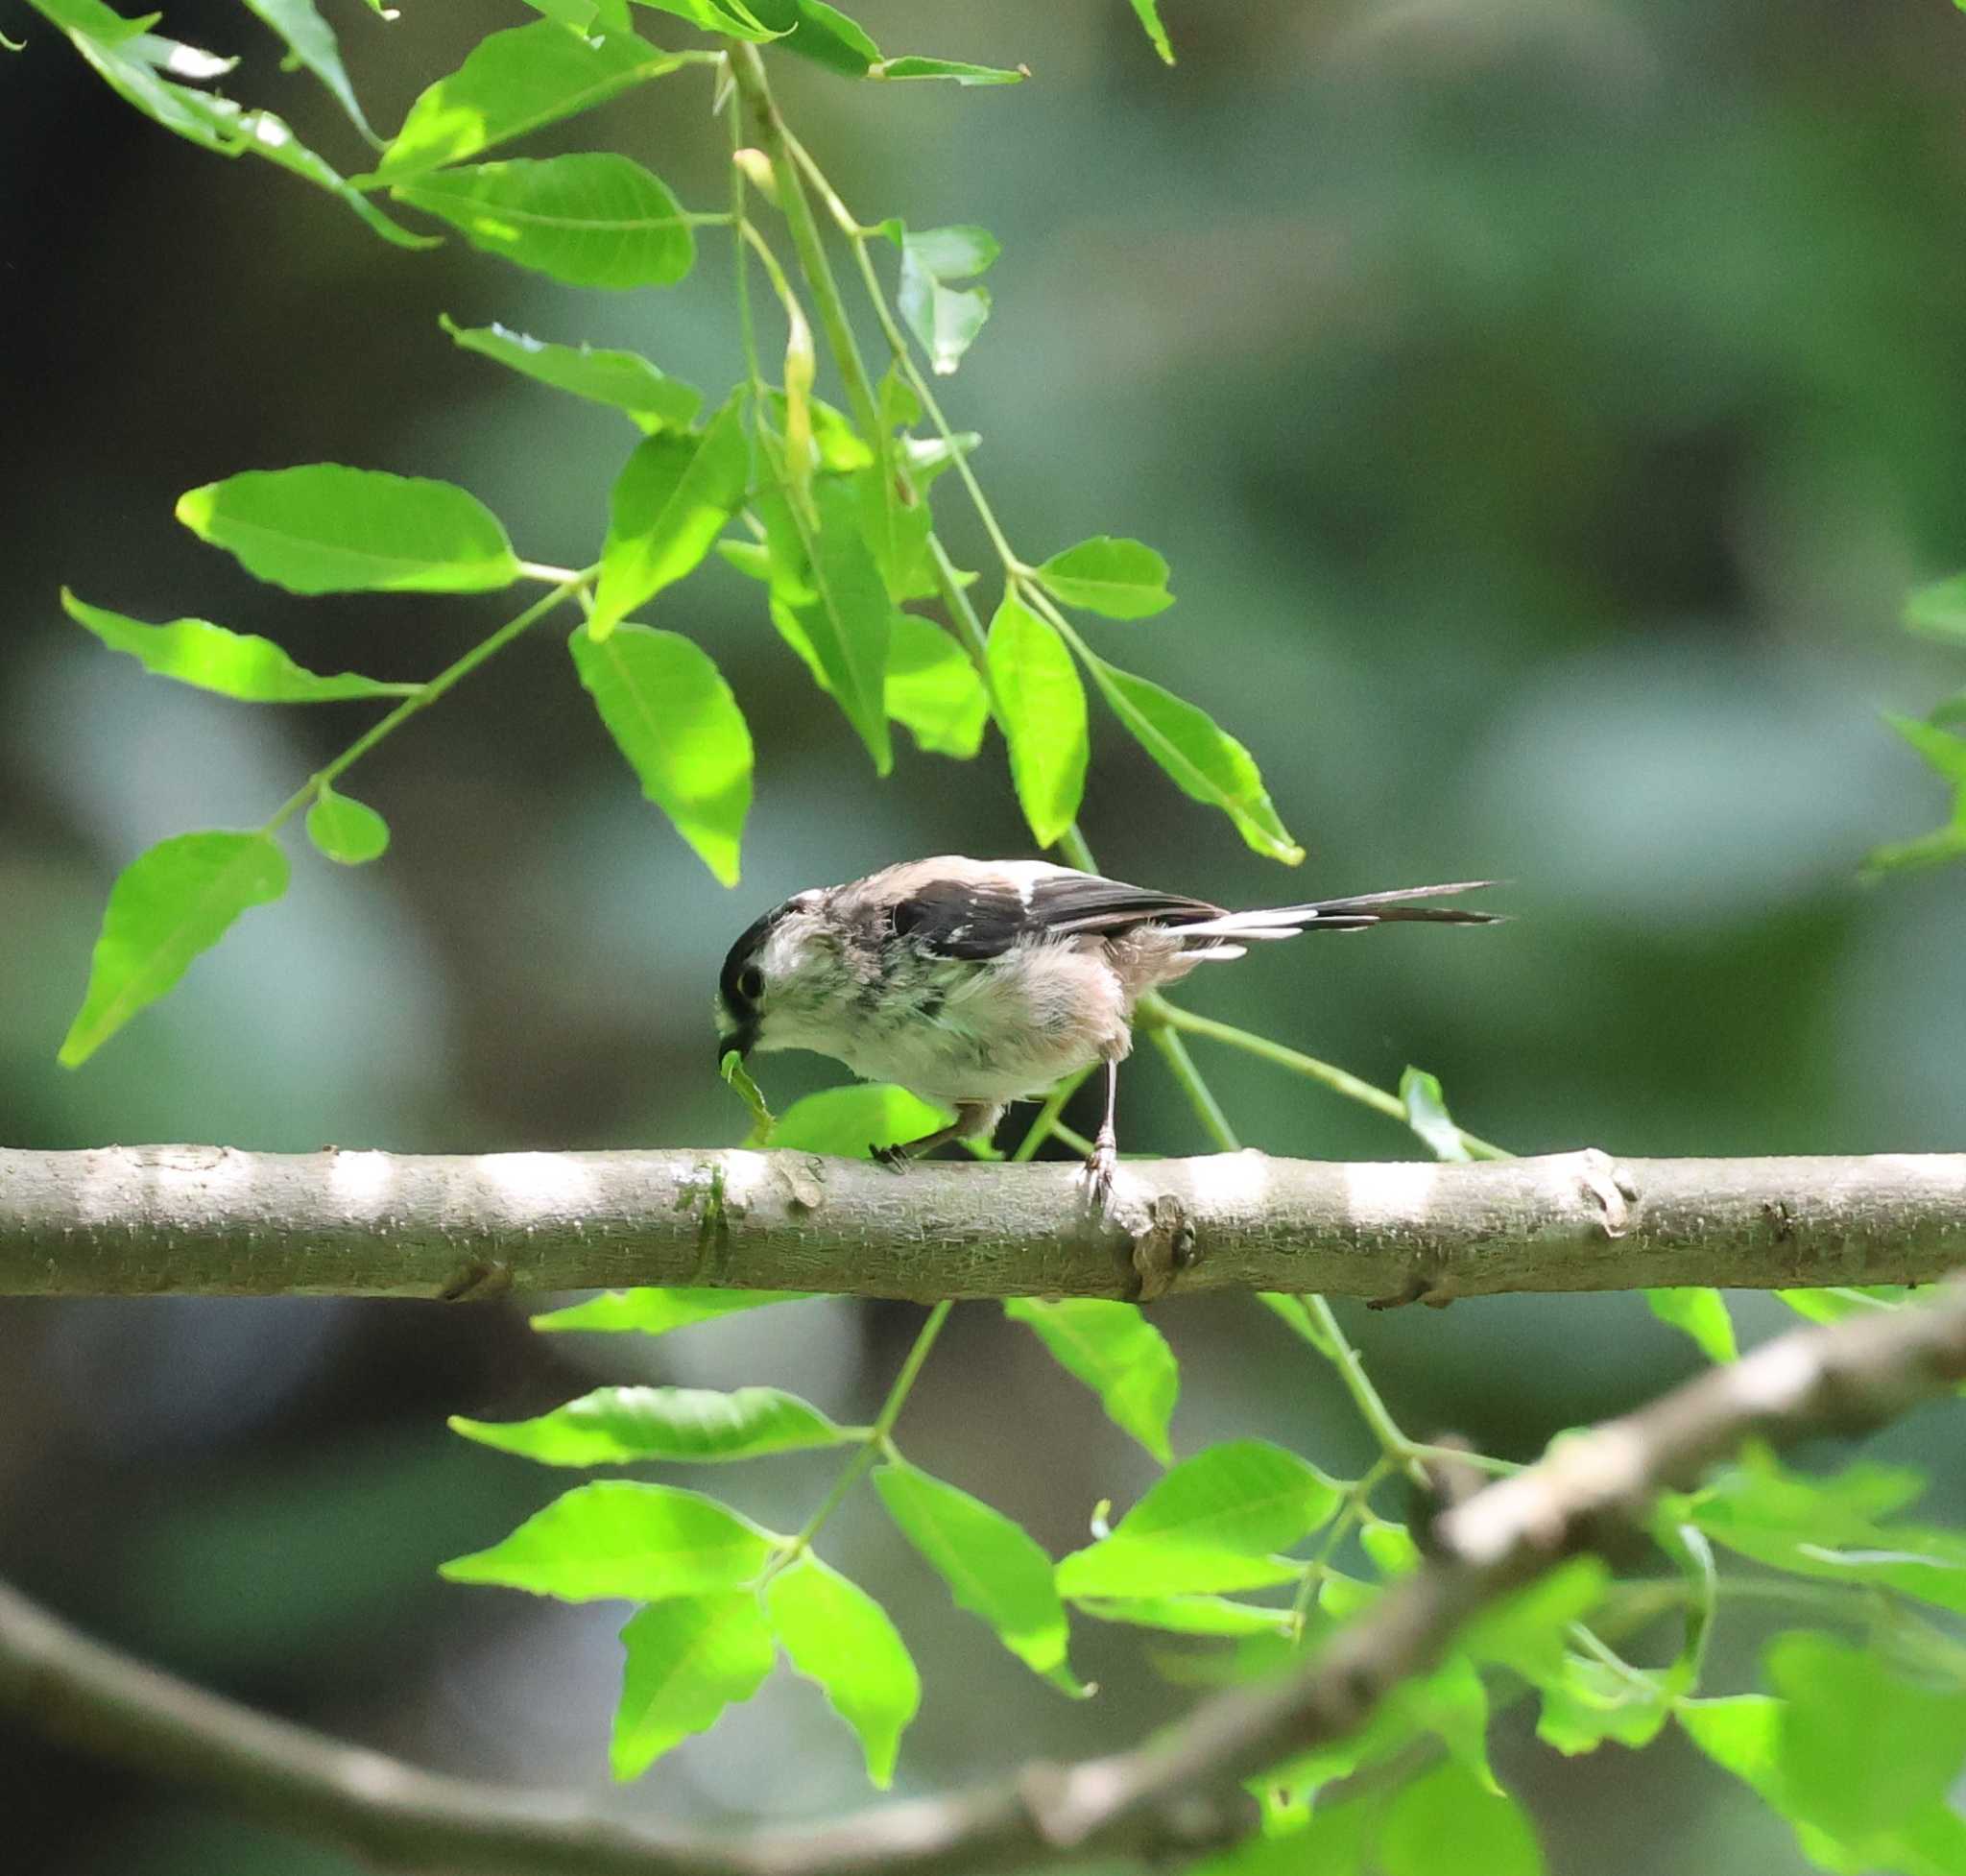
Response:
column 1164, row 1249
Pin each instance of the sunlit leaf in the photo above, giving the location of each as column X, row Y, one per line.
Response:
column 1939, row 610
column 933, row 688
column 1205, row 761
column 1211, row 1524
column 312, row 43
column 1148, row 13
column 348, row 831
column 1118, row 1353
column 820, row 32
column 211, row 657
column 623, row 1425
column 514, row 81
column 1043, row 703
column 624, row 380
column 1116, row 578
column 727, row 16
column 620, row 1538
column 592, row 220
column 850, row 1122
column 956, row 69
column 659, row 1312
column 686, row 1660
column 1702, row 1314
column 1859, row 1748
column 1190, row 1615
column 839, row 1636
column 1590, row 1701
column 1449, row 1806
column 846, row 630
column 673, row 716
column 167, row 905
column 943, row 318
column 326, row 528
column 992, row 1567
column 1836, row 1528
column 668, row 506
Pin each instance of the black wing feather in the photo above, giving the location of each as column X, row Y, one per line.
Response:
column 956, row 918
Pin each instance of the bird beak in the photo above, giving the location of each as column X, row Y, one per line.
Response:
column 743, row 1041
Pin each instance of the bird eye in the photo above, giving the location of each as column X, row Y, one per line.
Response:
column 751, row 983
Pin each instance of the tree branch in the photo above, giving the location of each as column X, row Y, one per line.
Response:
column 210, row 1220
column 1160, row 1797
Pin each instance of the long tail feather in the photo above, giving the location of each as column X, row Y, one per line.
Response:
column 1358, row 913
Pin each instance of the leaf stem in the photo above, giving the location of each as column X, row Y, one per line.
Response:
column 425, row 695
column 1350, row 1086
column 879, row 1438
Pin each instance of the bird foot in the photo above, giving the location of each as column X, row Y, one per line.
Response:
column 894, row 1158
column 1100, row 1166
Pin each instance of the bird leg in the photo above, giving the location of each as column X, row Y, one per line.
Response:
column 1104, row 1158
column 972, row 1117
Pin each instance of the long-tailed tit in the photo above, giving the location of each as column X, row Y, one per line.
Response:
column 975, row 983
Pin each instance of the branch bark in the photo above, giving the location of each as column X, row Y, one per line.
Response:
column 1155, row 1800
column 212, row 1220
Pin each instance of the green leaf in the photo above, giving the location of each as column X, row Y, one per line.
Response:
column 1939, row 610
column 312, row 43
column 1859, row 1749
column 820, row 32
column 348, row 832
column 1836, row 1528
column 260, row 133
column 673, row 716
column 594, row 219
column 1118, row 1353
column 514, row 81
column 845, row 630
column 236, row 665
column 1211, row 1524
column 1590, row 1703
column 951, row 68
column 687, row 1659
column 1449, row 1806
column 1190, row 1615
column 1738, row 1732
column 896, row 533
column 1207, row 763
column 992, row 1567
column 328, row 528
column 624, row 1426
column 1043, row 708
column 618, row 1538
column 657, row 1311
column 737, row 1078
column 1116, row 578
column 1702, row 1313
column 1426, row 1114
column 1833, row 1305
column 850, row 1122
column 669, row 505
column 727, row 16
column 623, row 380
column 1148, row 13
column 1940, row 749
column 839, row 1636
column 943, row 318
column 168, row 905
column 933, row 690
column 133, row 62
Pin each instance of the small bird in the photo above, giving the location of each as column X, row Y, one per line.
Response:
column 975, row 983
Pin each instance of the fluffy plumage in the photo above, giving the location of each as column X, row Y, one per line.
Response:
column 975, row 983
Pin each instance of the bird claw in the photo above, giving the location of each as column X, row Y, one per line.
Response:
column 894, row 1158
column 1100, row 1166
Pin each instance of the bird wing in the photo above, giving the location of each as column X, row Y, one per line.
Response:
column 981, row 918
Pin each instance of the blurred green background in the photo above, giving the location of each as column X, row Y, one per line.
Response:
column 1544, row 407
